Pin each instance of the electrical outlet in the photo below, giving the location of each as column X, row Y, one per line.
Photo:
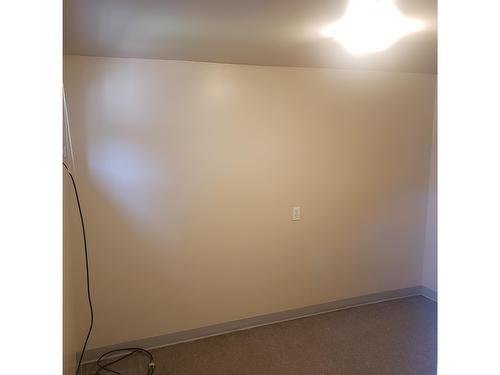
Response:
column 295, row 213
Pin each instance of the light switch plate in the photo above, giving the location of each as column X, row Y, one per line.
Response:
column 295, row 213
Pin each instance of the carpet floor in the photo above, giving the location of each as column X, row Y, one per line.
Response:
column 397, row 337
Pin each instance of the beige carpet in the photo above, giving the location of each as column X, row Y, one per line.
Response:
column 389, row 338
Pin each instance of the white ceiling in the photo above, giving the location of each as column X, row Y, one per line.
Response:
column 260, row 32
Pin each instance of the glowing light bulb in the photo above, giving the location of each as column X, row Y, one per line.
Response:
column 370, row 26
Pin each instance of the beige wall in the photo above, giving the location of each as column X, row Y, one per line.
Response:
column 429, row 272
column 188, row 173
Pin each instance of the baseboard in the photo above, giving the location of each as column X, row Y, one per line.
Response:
column 247, row 323
column 428, row 293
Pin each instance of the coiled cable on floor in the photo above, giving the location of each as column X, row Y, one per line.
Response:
column 129, row 352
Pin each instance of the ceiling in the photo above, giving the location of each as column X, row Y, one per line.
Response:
column 257, row 32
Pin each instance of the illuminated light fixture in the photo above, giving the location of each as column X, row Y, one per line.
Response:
column 371, row 26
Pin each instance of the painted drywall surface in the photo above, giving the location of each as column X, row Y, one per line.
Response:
column 429, row 272
column 189, row 171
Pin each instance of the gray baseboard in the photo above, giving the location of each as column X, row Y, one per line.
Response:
column 429, row 293
column 242, row 324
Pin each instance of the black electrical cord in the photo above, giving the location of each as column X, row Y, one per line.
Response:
column 131, row 351
column 86, row 270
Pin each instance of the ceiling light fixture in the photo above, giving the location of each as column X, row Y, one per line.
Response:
column 370, row 26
